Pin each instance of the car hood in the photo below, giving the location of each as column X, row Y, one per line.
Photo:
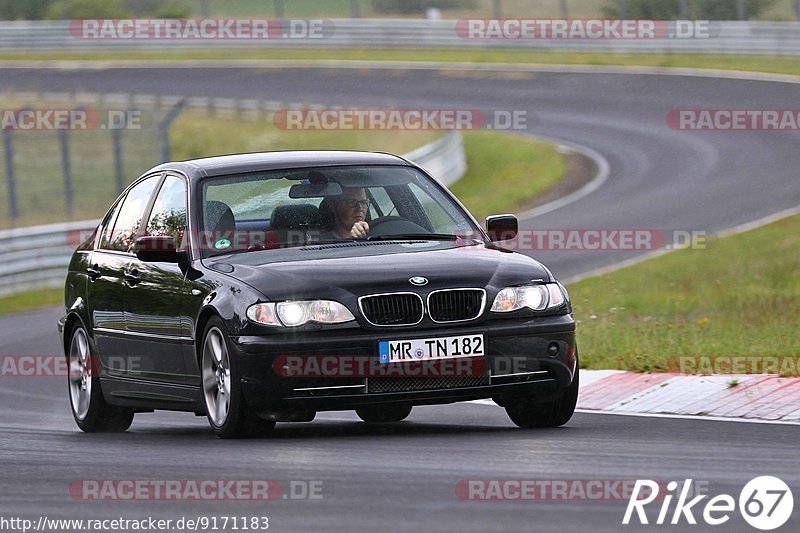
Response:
column 344, row 274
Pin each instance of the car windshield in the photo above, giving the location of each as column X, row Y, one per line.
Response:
column 280, row 209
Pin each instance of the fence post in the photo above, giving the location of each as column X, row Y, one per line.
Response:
column 684, row 9
column 355, row 12
column 278, row 9
column 66, row 168
column 623, row 9
column 797, row 10
column 497, row 8
column 116, row 139
column 564, row 9
column 740, row 12
column 164, row 126
column 10, row 178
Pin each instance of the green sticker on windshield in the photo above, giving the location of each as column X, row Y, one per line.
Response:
column 222, row 244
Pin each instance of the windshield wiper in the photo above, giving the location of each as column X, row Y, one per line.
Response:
column 420, row 237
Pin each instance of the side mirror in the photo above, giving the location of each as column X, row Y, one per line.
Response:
column 159, row 249
column 502, row 227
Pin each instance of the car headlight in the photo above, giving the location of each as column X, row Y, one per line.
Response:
column 293, row 314
column 536, row 297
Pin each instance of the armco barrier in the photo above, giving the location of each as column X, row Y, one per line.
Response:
column 38, row 256
column 734, row 37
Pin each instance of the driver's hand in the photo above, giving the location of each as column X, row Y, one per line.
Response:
column 360, row 230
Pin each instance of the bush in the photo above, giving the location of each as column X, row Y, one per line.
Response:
column 726, row 9
column 88, row 9
column 406, row 7
column 114, row 9
column 162, row 9
column 26, row 10
column 698, row 9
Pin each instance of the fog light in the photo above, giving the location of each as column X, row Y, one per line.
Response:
column 552, row 349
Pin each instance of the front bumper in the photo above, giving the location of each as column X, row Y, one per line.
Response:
column 521, row 357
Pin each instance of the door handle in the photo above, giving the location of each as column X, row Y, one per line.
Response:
column 93, row 272
column 132, row 277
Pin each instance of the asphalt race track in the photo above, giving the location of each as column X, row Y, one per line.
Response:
column 404, row 477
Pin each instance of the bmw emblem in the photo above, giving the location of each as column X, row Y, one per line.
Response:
column 418, row 280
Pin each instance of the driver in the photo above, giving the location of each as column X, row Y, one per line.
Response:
column 349, row 212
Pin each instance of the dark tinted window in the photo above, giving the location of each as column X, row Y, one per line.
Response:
column 108, row 225
column 130, row 215
column 168, row 217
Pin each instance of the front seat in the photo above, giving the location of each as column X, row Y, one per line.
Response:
column 295, row 223
column 219, row 225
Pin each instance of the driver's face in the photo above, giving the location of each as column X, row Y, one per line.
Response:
column 351, row 207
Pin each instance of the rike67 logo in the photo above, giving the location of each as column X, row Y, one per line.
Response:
column 765, row 503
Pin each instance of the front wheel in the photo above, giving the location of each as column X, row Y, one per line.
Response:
column 380, row 414
column 549, row 413
column 89, row 408
column 225, row 406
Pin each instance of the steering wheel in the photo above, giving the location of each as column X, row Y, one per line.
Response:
column 388, row 226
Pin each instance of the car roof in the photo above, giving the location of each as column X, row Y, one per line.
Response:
column 260, row 161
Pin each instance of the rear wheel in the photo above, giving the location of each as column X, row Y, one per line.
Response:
column 89, row 408
column 222, row 389
column 551, row 412
column 378, row 414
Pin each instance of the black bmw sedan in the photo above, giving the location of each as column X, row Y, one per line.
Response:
column 262, row 288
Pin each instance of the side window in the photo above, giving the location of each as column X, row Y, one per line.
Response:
column 382, row 204
column 108, row 226
column 440, row 220
column 130, row 215
column 168, row 217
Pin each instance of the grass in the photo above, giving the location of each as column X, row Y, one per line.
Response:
column 739, row 296
column 752, row 63
column 195, row 134
column 28, row 300
column 505, row 172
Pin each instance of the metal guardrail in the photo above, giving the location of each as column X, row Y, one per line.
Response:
column 38, row 256
column 734, row 37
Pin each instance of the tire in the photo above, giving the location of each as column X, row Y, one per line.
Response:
column 89, row 408
column 226, row 409
column 381, row 414
column 552, row 412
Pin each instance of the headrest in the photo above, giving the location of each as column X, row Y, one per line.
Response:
column 219, row 217
column 300, row 216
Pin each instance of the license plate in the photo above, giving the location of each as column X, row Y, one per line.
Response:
column 398, row 351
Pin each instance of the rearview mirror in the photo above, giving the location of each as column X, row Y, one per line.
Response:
column 502, row 227
column 156, row 249
column 315, row 190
